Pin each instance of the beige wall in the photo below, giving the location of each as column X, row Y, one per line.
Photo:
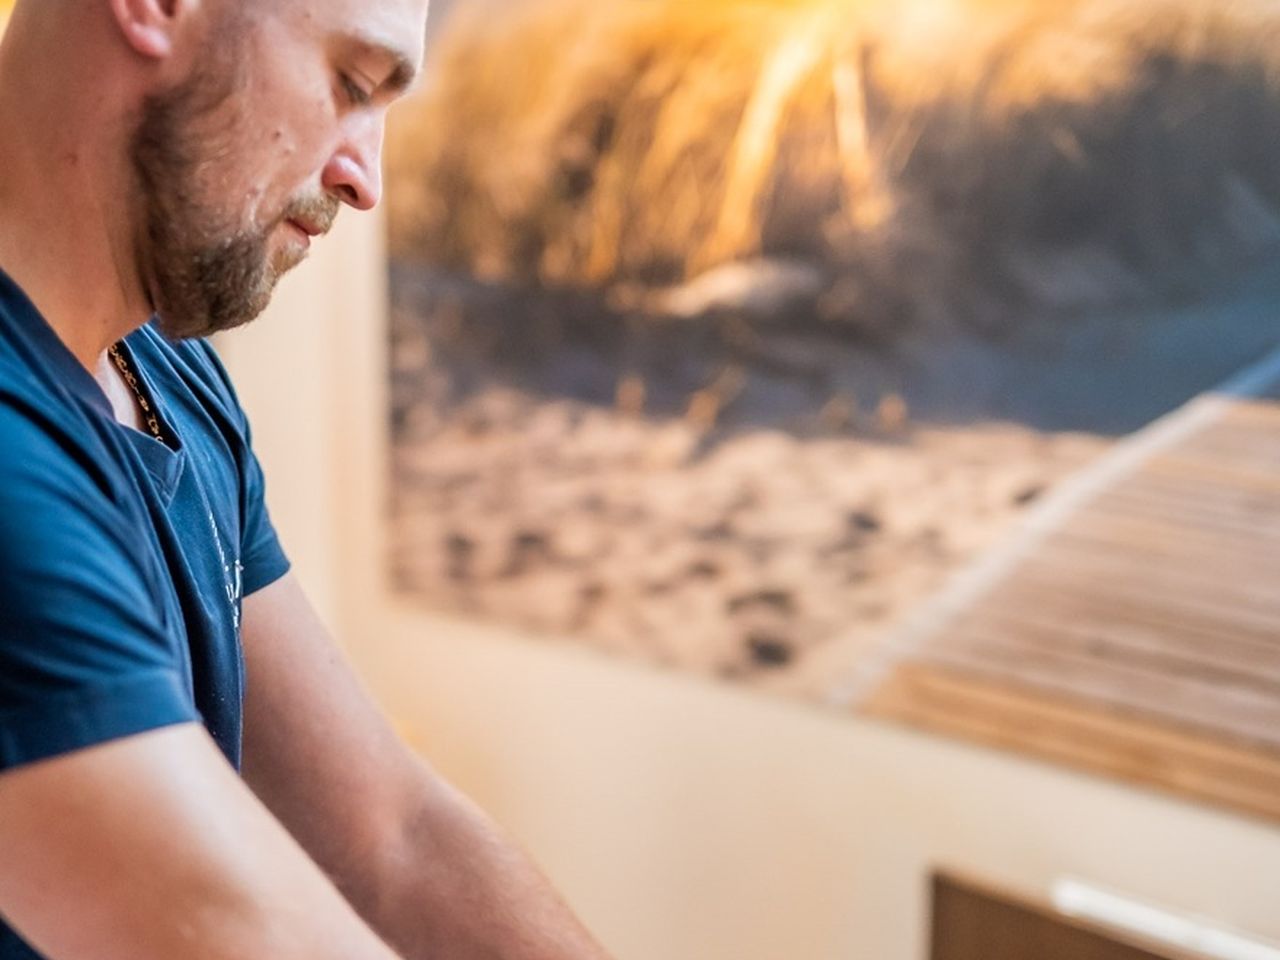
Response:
column 685, row 821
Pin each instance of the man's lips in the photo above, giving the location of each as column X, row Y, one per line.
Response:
column 306, row 227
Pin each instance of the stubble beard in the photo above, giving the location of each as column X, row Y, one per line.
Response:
column 202, row 272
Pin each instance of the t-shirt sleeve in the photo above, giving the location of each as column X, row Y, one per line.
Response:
column 85, row 656
column 262, row 555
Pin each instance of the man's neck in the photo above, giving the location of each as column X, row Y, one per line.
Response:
column 64, row 230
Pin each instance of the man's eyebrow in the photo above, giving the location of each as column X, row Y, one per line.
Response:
column 404, row 71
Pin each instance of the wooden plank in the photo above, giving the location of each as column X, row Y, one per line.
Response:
column 1202, row 607
column 1242, row 715
column 1209, row 469
column 1077, row 734
column 1152, row 493
column 1237, row 443
column 1163, row 538
column 1134, row 627
column 1232, row 584
column 1092, row 633
column 1197, row 625
column 1123, row 527
column 1231, row 580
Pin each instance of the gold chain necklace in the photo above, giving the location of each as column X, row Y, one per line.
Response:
column 153, row 424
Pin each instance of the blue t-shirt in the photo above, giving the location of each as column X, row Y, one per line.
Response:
column 123, row 560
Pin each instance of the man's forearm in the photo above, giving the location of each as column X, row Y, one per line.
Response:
column 423, row 866
column 459, row 889
column 150, row 848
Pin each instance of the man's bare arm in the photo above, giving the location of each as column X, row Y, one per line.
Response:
column 151, row 848
column 424, row 866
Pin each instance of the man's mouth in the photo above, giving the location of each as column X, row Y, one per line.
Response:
column 306, row 227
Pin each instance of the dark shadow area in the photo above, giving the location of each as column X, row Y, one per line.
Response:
column 1106, row 372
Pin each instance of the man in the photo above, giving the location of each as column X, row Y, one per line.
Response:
column 170, row 159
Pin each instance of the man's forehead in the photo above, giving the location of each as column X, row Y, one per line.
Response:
column 394, row 29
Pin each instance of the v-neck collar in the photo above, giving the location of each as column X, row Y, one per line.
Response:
column 174, row 444
column 165, row 463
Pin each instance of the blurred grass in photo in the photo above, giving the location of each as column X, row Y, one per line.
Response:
column 934, row 161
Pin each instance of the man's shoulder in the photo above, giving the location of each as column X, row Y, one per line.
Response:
column 24, row 427
column 47, row 413
column 55, row 447
column 44, row 451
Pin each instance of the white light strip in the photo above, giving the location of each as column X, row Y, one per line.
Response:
column 1077, row 899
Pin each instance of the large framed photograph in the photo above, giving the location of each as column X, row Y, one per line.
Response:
column 725, row 335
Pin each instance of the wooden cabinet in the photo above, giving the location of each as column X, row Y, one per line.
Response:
column 975, row 922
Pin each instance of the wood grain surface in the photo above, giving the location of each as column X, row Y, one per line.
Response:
column 1139, row 636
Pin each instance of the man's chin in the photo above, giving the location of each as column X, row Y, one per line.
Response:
column 177, row 324
column 286, row 260
column 291, row 248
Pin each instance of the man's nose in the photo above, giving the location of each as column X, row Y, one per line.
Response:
column 354, row 172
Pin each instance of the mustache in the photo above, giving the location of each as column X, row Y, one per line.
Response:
column 320, row 211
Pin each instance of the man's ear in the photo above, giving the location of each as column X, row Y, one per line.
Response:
column 150, row 26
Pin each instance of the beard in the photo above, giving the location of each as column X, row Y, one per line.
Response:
column 203, row 271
